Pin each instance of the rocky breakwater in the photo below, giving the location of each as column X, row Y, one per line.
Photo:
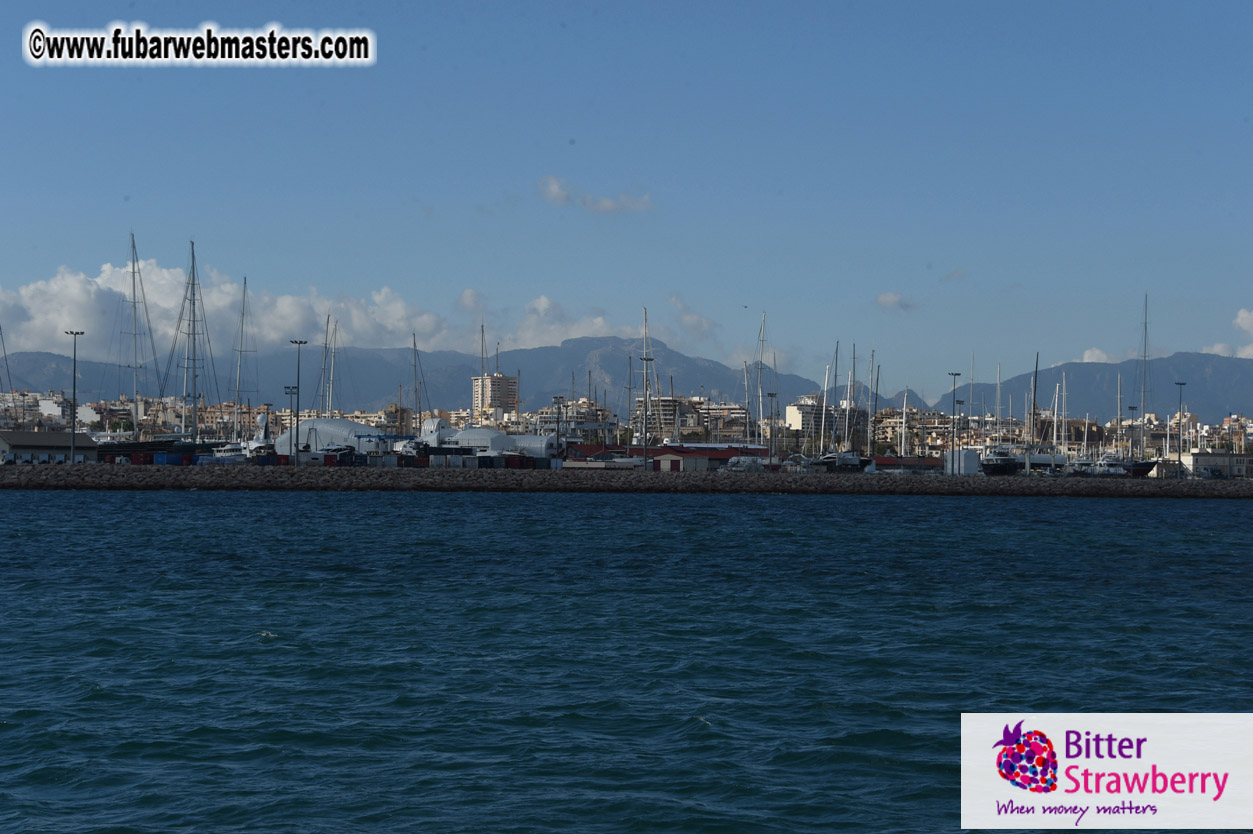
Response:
column 104, row 476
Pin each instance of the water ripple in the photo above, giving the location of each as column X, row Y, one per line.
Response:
column 579, row 663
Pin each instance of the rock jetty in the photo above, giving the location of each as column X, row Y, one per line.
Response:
column 320, row 479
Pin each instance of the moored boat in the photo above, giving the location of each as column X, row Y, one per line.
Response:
column 1000, row 460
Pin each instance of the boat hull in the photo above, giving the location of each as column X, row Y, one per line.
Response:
column 996, row 467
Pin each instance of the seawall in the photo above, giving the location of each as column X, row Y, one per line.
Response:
column 103, row 476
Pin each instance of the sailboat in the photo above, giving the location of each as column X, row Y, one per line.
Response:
column 239, row 449
column 197, row 355
column 143, row 356
column 1142, row 466
column 845, row 459
column 1000, row 459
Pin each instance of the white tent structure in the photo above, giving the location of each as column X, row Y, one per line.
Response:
column 326, row 432
column 489, row 441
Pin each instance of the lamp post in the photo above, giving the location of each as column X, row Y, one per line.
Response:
column 952, row 446
column 298, row 343
column 1180, row 452
column 558, row 402
column 1131, row 441
column 960, row 403
column 290, row 391
column 74, row 396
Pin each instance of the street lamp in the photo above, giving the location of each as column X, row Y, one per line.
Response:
column 1131, row 440
column 952, row 446
column 298, row 343
column 1180, row 453
column 74, row 396
column 558, row 402
column 290, row 391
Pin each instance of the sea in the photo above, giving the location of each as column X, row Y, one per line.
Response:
column 475, row 662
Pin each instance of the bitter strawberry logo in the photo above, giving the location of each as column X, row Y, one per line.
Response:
column 1027, row 760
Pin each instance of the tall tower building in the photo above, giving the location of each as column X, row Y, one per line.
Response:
column 492, row 392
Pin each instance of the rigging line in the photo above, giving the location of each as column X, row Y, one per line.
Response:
column 169, row 363
column 8, row 374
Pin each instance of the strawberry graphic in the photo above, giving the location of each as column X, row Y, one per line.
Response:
column 1027, row 760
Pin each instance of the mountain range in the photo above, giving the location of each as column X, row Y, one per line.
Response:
column 368, row 379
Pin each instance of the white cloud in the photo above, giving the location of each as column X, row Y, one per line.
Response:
column 471, row 301
column 694, row 325
column 547, row 323
column 1244, row 320
column 556, row 192
column 893, row 301
column 36, row 315
column 1095, row 355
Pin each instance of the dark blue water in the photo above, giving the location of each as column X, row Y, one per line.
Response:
column 261, row 662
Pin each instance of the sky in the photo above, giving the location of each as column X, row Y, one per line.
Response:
column 939, row 182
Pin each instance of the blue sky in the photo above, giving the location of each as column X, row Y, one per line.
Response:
column 930, row 180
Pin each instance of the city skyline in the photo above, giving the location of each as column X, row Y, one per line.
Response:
column 933, row 182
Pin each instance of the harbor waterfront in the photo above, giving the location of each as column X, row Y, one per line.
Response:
column 317, row 478
column 458, row 662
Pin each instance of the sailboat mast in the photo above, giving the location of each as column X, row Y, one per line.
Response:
column 1144, row 372
column 1065, row 413
column 761, row 356
column 748, row 406
column 998, row 403
column 417, row 393
column 191, row 343
column 239, row 358
column 134, row 340
column 1118, row 415
column 835, row 388
column 330, row 386
column 874, row 412
column 822, row 403
column 1035, row 384
column 1057, row 388
column 630, row 388
column 846, row 442
column 905, row 424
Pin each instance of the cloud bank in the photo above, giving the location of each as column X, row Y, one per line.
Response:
column 34, row 316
